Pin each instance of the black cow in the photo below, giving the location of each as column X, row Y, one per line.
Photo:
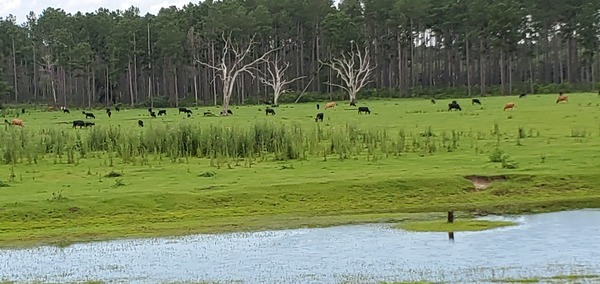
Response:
column 319, row 117
column 432, row 101
column 454, row 105
column 140, row 123
column 269, row 111
column 107, row 110
column 109, row 113
column 475, row 101
column 153, row 114
column 79, row 123
column 228, row 111
column 182, row 109
column 162, row 112
column 318, row 106
column 363, row 109
column 117, row 108
column 66, row 110
column 522, row 95
column 88, row 124
column 150, row 110
column 89, row 114
column 22, row 111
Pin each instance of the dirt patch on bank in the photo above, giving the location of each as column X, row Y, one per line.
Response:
column 483, row 182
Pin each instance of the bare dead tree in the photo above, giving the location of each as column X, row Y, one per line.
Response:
column 274, row 77
column 228, row 72
column 354, row 69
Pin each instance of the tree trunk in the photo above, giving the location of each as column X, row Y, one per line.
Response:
column 16, row 87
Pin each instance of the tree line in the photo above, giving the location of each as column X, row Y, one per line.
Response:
column 416, row 48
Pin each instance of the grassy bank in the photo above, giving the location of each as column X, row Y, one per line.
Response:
column 458, row 226
column 405, row 161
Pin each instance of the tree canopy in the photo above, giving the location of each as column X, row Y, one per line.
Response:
column 419, row 47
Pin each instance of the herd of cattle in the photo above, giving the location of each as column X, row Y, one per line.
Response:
column 268, row 111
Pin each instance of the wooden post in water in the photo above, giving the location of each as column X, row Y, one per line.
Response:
column 450, row 216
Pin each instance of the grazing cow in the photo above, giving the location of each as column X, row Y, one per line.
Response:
column 475, row 101
column 454, row 105
column 109, row 113
column 330, row 105
column 140, row 123
column 522, row 95
column 562, row 98
column 107, row 110
column 22, row 111
column 363, row 109
column 353, row 103
column 508, row 106
column 269, row 111
column 188, row 112
column 268, row 102
column 79, row 123
column 319, row 117
column 89, row 114
column 432, row 101
column 153, row 114
column 318, row 106
column 182, row 109
column 117, row 108
column 66, row 110
column 89, row 124
column 15, row 121
column 162, row 112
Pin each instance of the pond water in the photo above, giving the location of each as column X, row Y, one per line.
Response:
column 542, row 245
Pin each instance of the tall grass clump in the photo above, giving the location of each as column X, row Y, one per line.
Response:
column 262, row 140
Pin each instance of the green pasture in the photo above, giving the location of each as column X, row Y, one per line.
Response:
column 405, row 161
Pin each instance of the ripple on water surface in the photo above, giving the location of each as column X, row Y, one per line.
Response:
column 543, row 245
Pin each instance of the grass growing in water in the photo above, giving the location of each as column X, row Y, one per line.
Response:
column 457, row 226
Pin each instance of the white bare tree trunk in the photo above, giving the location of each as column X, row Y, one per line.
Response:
column 232, row 65
column 354, row 69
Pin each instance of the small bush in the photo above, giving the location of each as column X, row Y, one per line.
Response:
column 496, row 155
column 507, row 163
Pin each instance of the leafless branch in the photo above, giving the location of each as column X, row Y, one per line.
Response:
column 354, row 76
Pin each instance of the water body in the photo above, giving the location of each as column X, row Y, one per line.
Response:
column 542, row 245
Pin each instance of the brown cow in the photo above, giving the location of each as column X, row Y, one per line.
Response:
column 329, row 105
column 509, row 106
column 15, row 121
column 562, row 97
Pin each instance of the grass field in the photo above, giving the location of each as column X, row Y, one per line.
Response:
column 405, row 161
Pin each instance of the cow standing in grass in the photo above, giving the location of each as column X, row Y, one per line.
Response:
column 454, row 105
column 319, row 117
column 330, row 105
column 475, row 102
column 15, row 121
column 562, row 98
column 364, row 110
column 509, row 106
column 269, row 111
column 89, row 115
